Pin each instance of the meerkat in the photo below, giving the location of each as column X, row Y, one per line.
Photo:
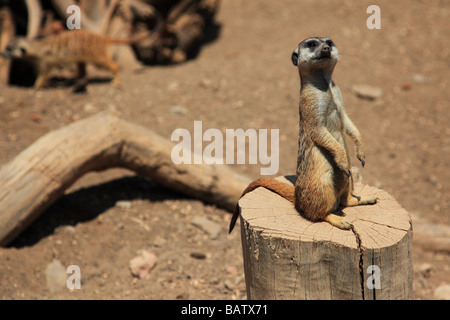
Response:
column 72, row 46
column 324, row 181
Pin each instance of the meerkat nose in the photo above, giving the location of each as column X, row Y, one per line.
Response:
column 325, row 52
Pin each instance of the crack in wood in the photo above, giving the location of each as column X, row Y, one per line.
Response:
column 361, row 261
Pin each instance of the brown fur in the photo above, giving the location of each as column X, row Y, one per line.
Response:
column 73, row 46
column 324, row 181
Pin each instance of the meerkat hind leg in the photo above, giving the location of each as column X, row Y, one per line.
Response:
column 41, row 80
column 81, row 70
column 110, row 65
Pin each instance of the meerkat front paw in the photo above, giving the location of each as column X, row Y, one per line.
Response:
column 346, row 170
column 344, row 166
column 361, row 157
column 338, row 221
column 368, row 200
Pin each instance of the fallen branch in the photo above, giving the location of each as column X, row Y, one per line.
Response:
column 431, row 236
column 38, row 176
column 34, row 18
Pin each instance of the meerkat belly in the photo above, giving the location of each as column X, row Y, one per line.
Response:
column 334, row 124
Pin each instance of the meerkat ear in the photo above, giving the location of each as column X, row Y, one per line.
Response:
column 294, row 57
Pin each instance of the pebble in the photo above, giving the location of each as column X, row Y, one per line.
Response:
column 420, row 79
column 69, row 229
column 442, row 292
column 89, row 107
column 35, row 117
column 228, row 285
column 425, row 269
column 198, row 255
column 208, row 226
column 173, row 86
column 56, row 276
column 231, row 270
column 178, row 110
column 142, row 264
column 123, row 204
column 366, row 92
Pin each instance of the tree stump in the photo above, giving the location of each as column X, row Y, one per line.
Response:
column 289, row 257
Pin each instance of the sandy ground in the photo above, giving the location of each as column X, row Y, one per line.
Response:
column 242, row 79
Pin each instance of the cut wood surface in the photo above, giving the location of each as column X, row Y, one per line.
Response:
column 289, row 257
column 33, row 180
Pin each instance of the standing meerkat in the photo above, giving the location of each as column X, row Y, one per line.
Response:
column 324, row 181
column 73, row 46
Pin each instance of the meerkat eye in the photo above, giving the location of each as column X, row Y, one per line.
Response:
column 329, row 42
column 312, row 44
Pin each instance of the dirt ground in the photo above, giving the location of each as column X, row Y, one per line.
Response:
column 242, row 79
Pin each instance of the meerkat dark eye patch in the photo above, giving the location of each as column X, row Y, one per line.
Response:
column 330, row 43
column 294, row 58
column 311, row 44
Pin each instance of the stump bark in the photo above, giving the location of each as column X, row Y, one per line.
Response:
column 289, row 257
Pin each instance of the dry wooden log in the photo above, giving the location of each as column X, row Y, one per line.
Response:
column 431, row 236
column 289, row 257
column 34, row 18
column 33, row 180
column 7, row 32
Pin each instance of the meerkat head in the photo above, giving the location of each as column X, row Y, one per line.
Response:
column 315, row 52
column 18, row 48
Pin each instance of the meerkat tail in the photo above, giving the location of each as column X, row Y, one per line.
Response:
column 129, row 41
column 137, row 39
column 280, row 188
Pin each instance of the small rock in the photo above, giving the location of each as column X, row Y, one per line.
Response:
column 442, row 292
column 425, row 269
column 228, row 285
column 231, row 270
column 178, row 110
column 182, row 296
column 206, row 83
column 366, row 92
column 123, row 204
column 210, row 227
column 56, row 276
column 420, row 79
column 198, row 255
column 89, row 107
column 406, row 86
column 173, row 86
column 69, row 229
column 142, row 264
column 35, row 117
